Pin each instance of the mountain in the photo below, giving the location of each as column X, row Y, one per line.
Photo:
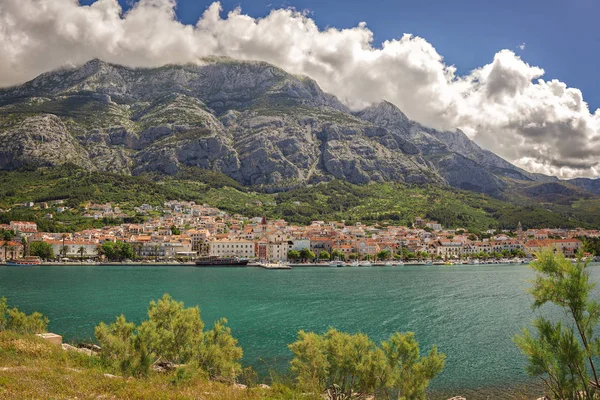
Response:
column 587, row 184
column 251, row 121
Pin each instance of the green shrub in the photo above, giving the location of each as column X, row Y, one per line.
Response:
column 345, row 365
column 219, row 354
column 29, row 324
column 171, row 334
column 3, row 310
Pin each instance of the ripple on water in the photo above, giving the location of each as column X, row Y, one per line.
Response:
column 470, row 312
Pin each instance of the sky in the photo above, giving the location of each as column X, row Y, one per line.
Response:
column 518, row 77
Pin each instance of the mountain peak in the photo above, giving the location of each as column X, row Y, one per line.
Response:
column 385, row 114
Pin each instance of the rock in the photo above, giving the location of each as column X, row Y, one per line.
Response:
column 165, row 366
column 458, row 398
column 263, row 386
column 239, row 386
column 250, row 120
column 68, row 347
column 51, row 338
column 41, row 140
column 112, row 376
column 89, row 346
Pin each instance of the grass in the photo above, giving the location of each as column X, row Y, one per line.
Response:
column 31, row 368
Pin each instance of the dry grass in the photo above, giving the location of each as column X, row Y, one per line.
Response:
column 33, row 369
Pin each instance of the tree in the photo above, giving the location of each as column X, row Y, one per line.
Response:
column 384, row 255
column 122, row 348
column 5, row 245
column 306, row 254
column 171, row 334
column 220, row 355
column 64, row 248
column 353, row 256
column 175, row 230
column 42, row 250
column 293, row 255
column 11, row 250
column 560, row 352
column 3, row 310
column 7, row 235
column 352, row 366
column 408, row 373
column 81, row 251
column 117, row 251
column 337, row 255
column 25, row 244
column 335, row 361
column 323, row 255
column 17, row 321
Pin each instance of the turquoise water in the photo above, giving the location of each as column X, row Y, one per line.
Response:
column 470, row 312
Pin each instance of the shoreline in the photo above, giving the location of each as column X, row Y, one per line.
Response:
column 249, row 265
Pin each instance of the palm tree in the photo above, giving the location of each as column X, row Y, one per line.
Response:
column 12, row 249
column 6, row 246
column 64, row 248
column 139, row 248
column 81, row 252
column 25, row 246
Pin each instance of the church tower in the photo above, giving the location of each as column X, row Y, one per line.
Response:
column 520, row 234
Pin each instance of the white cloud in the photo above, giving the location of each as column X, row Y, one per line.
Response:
column 505, row 106
column 522, row 46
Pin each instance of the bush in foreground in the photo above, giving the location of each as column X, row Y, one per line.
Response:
column 563, row 354
column 174, row 335
column 17, row 321
column 345, row 365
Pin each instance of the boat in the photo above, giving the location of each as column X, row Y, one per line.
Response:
column 337, row 263
column 354, row 263
column 213, row 261
column 274, row 265
column 365, row 264
column 24, row 261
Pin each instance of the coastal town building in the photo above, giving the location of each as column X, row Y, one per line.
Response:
column 185, row 230
column 232, row 247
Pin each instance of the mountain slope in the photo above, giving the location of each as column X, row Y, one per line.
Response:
column 251, row 121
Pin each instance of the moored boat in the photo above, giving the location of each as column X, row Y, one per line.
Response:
column 221, row 262
column 337, row 263
column 31, row 260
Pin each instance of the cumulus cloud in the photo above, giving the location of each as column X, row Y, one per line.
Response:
column 505, row 106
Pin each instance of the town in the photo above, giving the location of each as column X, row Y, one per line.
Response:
column 184, row 231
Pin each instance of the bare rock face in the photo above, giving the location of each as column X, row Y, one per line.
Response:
column 249, row 120
column 41, row 140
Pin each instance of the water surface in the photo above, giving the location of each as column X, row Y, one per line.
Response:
column 470, row 312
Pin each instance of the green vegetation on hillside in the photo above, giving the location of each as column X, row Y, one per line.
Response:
column 382, row 203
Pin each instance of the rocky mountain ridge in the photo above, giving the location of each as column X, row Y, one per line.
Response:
column 249, row 120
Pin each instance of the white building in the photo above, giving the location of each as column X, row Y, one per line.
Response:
column 71, row 248
column 278, row 251
column 232, row 247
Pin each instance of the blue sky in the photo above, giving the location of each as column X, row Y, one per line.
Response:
column 562, row 37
